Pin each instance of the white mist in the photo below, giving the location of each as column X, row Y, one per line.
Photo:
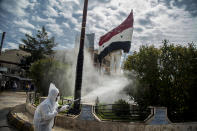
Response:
column 94, row 84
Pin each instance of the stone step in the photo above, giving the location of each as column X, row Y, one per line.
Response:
column 26, row 117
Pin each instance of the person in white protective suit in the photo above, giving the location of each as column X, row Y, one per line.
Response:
column 47, row 110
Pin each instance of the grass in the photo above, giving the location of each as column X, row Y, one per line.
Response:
column 36, row 102
column 107, row 114
column 113, row 117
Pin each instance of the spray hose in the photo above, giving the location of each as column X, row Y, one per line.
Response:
column 70, row 102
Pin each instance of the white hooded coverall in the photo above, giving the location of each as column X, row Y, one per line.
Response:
column 46, row 111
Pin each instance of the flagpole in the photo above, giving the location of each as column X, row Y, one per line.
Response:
column 79, row 67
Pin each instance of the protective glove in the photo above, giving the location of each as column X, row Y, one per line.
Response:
column 55, row 113
column 63, row 108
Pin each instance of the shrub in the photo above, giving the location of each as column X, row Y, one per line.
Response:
column 121, row 108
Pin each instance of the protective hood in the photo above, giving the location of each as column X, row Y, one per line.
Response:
column 53, row 92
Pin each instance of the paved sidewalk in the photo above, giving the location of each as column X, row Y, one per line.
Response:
column 9, row 99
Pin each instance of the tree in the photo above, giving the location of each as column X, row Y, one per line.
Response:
column 144, row 66
column 165, row 77
column 45, row 71
column 39, row 46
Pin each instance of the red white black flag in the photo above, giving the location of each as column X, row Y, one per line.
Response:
column 117, row 39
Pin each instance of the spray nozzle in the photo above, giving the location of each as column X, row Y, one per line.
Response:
column 71, row 101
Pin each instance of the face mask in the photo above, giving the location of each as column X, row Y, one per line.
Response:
column 58, row 98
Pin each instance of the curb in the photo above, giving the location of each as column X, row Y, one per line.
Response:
column 19, row 123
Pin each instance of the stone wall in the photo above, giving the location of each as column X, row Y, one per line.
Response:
column 76, row 124
column 30, row 108
column 82, row 125
column 19, row 122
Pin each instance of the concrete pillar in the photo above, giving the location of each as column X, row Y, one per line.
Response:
column 159, row 116
column 86, row 112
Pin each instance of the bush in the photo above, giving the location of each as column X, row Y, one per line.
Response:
column 121, row 108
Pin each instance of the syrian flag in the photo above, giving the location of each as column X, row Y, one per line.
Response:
column 117, row 39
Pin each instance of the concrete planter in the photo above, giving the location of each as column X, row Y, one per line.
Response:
column 157, row 121
column 76, row 124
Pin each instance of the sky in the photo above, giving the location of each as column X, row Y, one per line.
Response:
column 154, row 20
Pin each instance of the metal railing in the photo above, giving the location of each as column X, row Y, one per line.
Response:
column 133, row 113
column 33, row 98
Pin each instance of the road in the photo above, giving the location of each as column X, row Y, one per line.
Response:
column 9, row 99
